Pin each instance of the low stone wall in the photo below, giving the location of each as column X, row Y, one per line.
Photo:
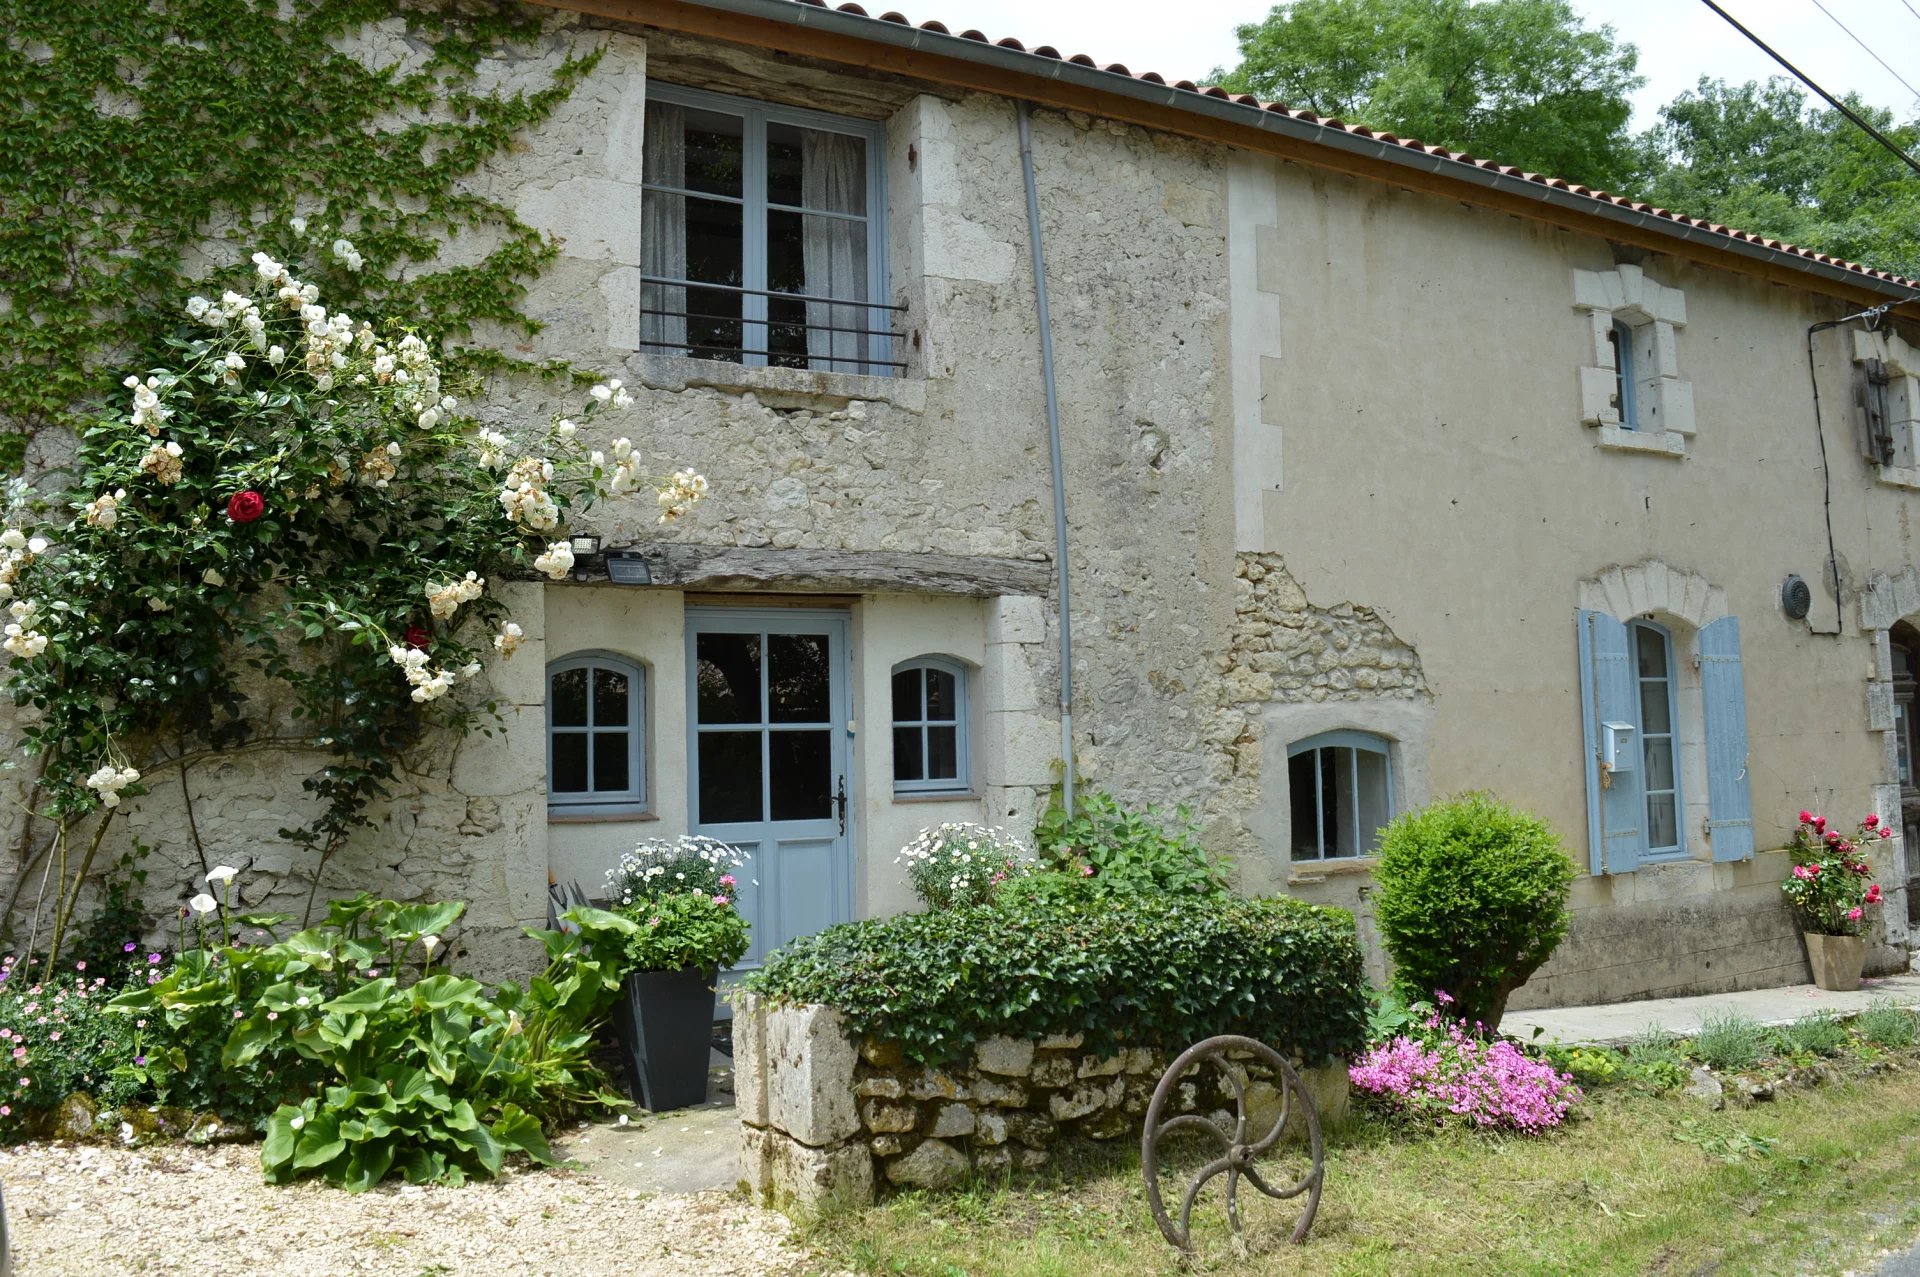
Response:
column 825, row 1118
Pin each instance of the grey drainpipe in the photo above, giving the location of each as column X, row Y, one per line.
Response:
column 1059, row 469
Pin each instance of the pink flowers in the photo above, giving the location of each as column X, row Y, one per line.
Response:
column 1489, row 1085
column 1442, row 997
column 1870, row 821
column 720, row 900
column 1873, row 894
column 1854, row 914
column 728, row 881
column 1806, row 818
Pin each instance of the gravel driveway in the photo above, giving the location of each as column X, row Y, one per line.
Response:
column 88, row 1211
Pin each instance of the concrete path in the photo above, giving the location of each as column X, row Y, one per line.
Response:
column 685, row 1151
column 1620, row 1023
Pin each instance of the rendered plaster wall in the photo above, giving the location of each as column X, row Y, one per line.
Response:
column 1416, row 363
column 950, row 457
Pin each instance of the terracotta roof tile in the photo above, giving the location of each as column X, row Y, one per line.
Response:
column 1357, row 130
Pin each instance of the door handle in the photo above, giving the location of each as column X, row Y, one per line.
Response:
column 840, row 801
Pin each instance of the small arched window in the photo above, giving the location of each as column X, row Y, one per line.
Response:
column 930, row 727
column 596, row 735
column 1340, row 786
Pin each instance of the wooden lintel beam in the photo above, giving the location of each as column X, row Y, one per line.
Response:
column 722, row 567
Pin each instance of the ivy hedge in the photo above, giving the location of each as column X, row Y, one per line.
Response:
column 1129, row 970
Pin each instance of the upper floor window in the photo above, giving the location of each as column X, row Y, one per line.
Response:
column 1620, row 336
column 596, row 734
column 1631, row 390
column 930, row 727
column 762, row 237
column 1340, row 786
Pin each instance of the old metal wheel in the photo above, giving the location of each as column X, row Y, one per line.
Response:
column 1239, row 1148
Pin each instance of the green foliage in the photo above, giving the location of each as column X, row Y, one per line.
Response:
column 1817, row 1033
column 1730, row 1040
column 959, row 864
column 680, row 898
column 1058, row 957
column 366, row 1073
column 1470, row 897
column 1730, row 1146
column 1760, row 158
column 144, row 135
column 1525, row 82
column 1887, row 1023
column 57, row 1037
column 1124, row 851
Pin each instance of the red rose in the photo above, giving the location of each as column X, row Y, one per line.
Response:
column 1886, row 833
column 1818, row 822
column 245, row 507
column 416, row 637
column 1871, row 821
column 1806, row 818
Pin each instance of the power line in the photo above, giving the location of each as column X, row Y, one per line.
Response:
column 1910, row 9
column 1801, row 76
column 1869, row 48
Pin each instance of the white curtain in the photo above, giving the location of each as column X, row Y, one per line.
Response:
column 833, row 175
column 663, row 229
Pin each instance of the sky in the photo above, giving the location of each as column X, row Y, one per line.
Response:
column 1679, row 40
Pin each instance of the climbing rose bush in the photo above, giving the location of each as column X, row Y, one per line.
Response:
column 1441, row 1073
column 288, row 497
column 1829, row 891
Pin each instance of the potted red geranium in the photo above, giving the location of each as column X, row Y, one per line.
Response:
column 1830, row 893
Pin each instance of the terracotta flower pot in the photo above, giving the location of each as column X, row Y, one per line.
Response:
column 1836, row 960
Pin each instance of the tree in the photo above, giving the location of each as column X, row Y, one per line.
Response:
column 1521, row 81
column 1757, row 157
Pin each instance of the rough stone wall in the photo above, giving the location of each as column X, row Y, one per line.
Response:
column 824, row 1117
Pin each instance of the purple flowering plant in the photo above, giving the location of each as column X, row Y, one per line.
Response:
column 1433, row 1069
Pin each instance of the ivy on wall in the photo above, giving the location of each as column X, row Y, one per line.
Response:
column 145, row 136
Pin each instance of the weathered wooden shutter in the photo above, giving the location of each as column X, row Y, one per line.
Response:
column 1724, row 689
column 1876, row 413
column 1616, row 806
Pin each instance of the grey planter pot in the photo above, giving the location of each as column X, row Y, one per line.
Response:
column 665, row 1023
column 1836, row 960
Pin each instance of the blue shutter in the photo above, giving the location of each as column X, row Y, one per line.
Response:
column 1724, row 689
column 1616, row 807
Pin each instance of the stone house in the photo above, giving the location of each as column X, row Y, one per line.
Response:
column 1387, row 473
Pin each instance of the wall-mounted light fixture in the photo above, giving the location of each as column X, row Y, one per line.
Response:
column 628, row 567
column 586, row 555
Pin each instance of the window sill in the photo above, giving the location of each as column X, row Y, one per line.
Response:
column 780, row 387
column 561, row 816
column 1899, row 476
column 1307, row 872
column 1664, row 443
column 953, row 796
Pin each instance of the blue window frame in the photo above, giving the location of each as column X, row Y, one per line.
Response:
column 763, row 236
column 1621, row 339
column 596, row 734
column 1340, row 787
column 1659, row 752
column 930, row 727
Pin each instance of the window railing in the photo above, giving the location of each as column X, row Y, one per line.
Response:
column 760, row 327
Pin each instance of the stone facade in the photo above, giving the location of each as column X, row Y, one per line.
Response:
column 824, row 1117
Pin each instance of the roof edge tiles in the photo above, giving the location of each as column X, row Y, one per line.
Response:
column 1045, row 63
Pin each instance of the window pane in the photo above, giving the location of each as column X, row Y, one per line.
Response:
column 943, row 753
column 569, row 767
column 1903, row 741
column 729, row 777
column 786, row 332
column 1652, row 646
column 800, row 763
column 1306, row 806
column 610, row 706
column 728, row 680
column 906, row 754
column 1376, row 800
column 1659, row 764
column 942, row 697
column 1336, row 800
column 712, row 323
column 611, row 773
column 1663, row 829
column 798, row 680
column 713, row 152
column 816, row 169
column 713, row 244
column 1654, row 717
column 567, row 699
column 906, row 696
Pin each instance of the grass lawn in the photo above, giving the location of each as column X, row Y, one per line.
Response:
column 1809, row 1183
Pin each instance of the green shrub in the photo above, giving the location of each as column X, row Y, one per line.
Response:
column 1049, row 956
column 1122, row 850
column 1730, row 1040
column 1818, row 1033
column 962, row 864
column 367, row 1073
column 1886, row 1023
column 1470, row 897
column 57, row 1038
